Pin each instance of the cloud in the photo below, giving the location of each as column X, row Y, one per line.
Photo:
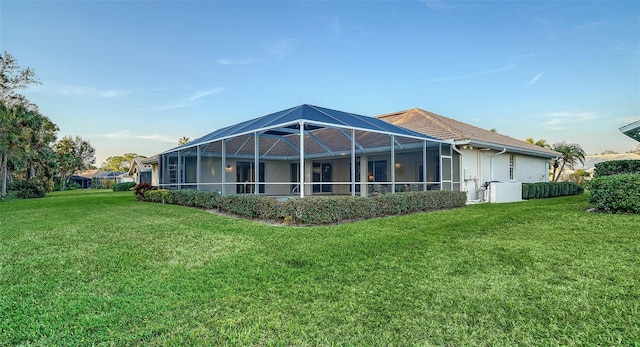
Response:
column 87, row 91
column 560, row 120
column 203, row 93
column 589, row 25
column 280, row 48
column 239, row 61
column 128, row 135
column 478, row 73
column 535, row 79
column 194, row 99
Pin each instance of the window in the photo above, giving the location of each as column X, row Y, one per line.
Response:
column 512, row 161
column 246, row 175
column 322, row 173
column 377, row 170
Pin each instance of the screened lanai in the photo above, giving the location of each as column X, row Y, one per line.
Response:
column 309, row 150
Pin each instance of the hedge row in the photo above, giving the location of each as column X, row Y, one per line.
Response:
column 616, row 193
column 312, row 210
column 616, row 167
column 550, row 189
column 123, row 186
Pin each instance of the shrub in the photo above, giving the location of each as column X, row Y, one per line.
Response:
column 616, row 193
column 141, row 189
column 616, row 167
column 27, row 189
column 310, row 210
column 335, row 209
column 123, row 186
column 539, row 190
column 250, row 206
column 156, row 195
column 194, row 198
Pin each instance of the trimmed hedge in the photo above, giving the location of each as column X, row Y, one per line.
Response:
column 616, row 167
column 541, row 190
column 312, row 210
column 616, row 193
column 123, row 186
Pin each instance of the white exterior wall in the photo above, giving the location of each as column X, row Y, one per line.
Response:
column 477, row 169
column 531, row 169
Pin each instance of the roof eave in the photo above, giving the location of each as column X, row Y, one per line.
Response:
column 513, row 149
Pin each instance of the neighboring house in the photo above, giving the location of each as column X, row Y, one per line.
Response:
column 83, row 182
column 107, row 179
column 309, row 150
column 85, row 179
column 632, row 130
column 153, row 174
column 139, row 171
column 484, row 156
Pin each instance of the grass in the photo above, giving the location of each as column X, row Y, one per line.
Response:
column 99, row 268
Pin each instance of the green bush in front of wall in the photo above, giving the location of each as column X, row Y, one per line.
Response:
column 539, row 190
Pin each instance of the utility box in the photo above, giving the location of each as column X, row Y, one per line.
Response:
column 505, row 192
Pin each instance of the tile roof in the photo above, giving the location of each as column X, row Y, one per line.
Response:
column 446, row 128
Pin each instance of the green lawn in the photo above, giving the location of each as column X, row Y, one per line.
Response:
column 99, row 268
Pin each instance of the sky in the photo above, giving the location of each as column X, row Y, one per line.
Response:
column 136, row 76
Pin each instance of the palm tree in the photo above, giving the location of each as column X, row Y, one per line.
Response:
column 572, row 154
column 183, row 140
column 540, row 143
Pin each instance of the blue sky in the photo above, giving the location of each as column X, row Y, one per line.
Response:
column 135, row 76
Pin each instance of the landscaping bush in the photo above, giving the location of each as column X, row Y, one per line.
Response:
column 123, row 186
column 310, row 210
column 194, row 198
column 335, row 209
column 616, row 193
column 616, row 167
column 141, row 189
column 250, row 206
column 540, row 190
column 27, row 189
column 156, row 195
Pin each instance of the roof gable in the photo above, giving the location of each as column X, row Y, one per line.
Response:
column 446, row 128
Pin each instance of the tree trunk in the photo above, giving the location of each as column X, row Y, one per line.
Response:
column 4, row 174
column 559, row 172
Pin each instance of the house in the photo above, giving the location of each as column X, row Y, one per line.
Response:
column 82, row 181
column 152, row 162
column 140, row 172
column 85, row 179
column 309, row 150
column 483, row 156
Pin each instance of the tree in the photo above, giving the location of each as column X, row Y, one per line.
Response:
column 15, row 110
column 183, row 140
column 608, row 151
column 572, row 154
column 72, row 154
column 12, row 77
column 119, row 162
column 540, row 143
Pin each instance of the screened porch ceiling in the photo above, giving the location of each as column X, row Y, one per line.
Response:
column 327, row 133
